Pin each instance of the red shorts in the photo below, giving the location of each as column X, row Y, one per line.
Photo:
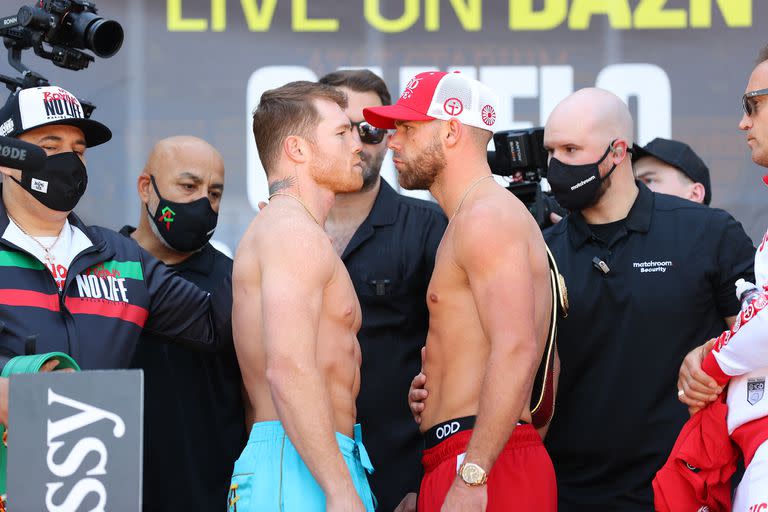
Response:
column 522, row 479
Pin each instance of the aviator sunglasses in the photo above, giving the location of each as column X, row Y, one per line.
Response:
column 369, row 134
column 748, row 103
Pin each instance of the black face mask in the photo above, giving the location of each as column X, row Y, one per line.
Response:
column 186, row 227
column 576, row 186
column 60, row 184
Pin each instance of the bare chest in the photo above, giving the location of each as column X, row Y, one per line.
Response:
column 448, row 278
column 340, row 301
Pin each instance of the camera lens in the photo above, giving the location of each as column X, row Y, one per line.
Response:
column 87, row 30
column 104, row 37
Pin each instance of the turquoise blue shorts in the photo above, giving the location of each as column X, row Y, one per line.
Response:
column 270, row 475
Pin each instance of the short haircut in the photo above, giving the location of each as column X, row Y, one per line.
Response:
column 289, row 110
column 359, row 80
column 762, row 55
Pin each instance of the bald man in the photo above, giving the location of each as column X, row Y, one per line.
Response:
column 193, row 411
column 649, row 277
column 489, row 303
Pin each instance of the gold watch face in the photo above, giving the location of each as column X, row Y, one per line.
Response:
column 472, row 474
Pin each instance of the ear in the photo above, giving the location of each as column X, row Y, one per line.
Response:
column 10, row 172
column 296, row 149
column 143, row 184
column 697, row 193
column 452, row 131
column 620, row 151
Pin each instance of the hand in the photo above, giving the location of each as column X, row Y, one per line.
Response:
column 463, row 498
column 417, row 394
column 51, row 365
column 699, row 389
column 408, row 504
column 554, row 218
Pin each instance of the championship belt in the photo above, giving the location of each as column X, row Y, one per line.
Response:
column 25, row 364
column 543, row 394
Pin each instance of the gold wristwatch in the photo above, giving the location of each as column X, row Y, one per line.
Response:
column 472, row 474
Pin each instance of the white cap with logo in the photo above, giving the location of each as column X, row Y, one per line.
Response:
column 42, row 106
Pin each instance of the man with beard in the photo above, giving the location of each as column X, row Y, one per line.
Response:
column 649, row 277
column 387, row 242
column 296, row 316
column 188, row 396
column 489, row 303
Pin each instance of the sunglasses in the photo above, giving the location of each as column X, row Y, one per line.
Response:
column 748, row 103
column 368, row 133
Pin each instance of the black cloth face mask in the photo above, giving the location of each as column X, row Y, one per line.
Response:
column 60, row 184
column 186, row 227
column 576, row 186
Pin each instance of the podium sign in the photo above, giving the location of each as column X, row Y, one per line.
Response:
column 75, row 441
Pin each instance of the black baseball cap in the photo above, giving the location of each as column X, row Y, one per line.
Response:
column 41, row 106
column 679, row 155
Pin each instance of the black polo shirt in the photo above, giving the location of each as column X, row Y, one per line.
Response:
column 672, row 268
column 390, row 259
column 194, row 425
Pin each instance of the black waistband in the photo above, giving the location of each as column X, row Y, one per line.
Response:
column 446, row 429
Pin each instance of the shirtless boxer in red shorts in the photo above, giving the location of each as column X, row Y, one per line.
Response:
column 489, row 303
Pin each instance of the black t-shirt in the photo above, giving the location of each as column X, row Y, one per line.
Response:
column 390, row 260
column 673, row 265
column 194, row 425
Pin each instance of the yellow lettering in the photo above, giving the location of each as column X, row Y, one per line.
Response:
column 651, row 14
column 178, row 24
column 523, row 17
column 619, row 15
column 218, row 15
column 259, row 19
column 736, row 13
column 372, row 12
column 469, row 13
column 301, row 23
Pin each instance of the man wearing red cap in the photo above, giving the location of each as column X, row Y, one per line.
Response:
column 739, row 357
column 489, row 303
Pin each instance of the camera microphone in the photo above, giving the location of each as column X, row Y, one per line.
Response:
column 600, row 265
column 22, row 155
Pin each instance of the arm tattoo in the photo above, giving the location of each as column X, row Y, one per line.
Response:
column 278, row 185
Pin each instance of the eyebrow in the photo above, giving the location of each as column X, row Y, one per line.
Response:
column 346, row 126
column 56, row 138
column 190, row 176
column 186, row 175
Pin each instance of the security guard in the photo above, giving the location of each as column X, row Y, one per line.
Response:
column 649, row 277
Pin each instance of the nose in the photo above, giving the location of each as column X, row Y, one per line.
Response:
column 393, row 142
column 745, row 123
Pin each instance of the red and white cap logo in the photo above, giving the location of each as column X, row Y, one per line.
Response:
column 453, row 107
column 488, row 115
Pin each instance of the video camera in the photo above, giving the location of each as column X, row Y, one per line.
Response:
column 521, row 157
column 66, row 27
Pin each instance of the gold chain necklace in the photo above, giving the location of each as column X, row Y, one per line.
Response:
column 300, row 202
column 466, row 193
column 48, row 256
